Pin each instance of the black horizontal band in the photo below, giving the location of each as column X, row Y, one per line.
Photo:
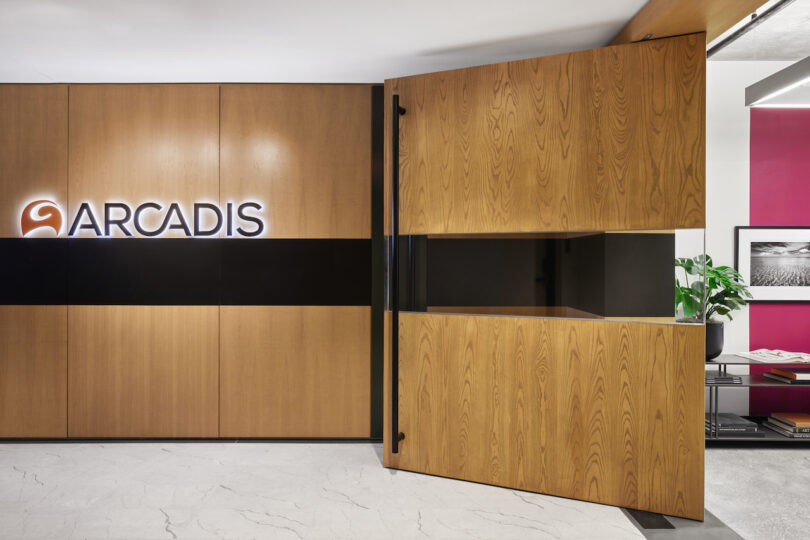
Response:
column 611, row 275
column 135, row 271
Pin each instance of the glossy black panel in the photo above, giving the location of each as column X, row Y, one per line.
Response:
column 579, row 273
column 152, row 271
column 147, row 271
column 485, row 272
column 639, row 275
column 33, row 271
column 296, row 272
column 611, row 275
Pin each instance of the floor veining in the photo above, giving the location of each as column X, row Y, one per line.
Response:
column 335, row 491
column 283, row 490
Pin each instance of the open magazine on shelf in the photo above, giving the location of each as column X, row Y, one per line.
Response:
column 775, row 356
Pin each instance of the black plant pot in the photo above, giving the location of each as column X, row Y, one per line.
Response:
column 714, row 339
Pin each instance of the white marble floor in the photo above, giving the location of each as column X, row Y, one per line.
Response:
column 332, row 491
column 245, row 490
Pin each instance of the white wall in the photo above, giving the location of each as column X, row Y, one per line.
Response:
column 727, row 183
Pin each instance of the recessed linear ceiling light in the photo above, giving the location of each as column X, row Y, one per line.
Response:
column 789, row 87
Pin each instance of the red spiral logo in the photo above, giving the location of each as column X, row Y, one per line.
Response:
column 42, row 213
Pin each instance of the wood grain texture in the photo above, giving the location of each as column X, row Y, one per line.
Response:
column 388, row 214
column 602, row 411
column 143, row 371
column 525, row 311
column 33, row 149
column 304, row 150
column 144, row 142
column 519, row 236
column 389, row 459
column 665, row 18
column 33, row 371
column 604, row 139
column 295, row 371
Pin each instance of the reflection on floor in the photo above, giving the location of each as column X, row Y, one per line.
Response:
column 338, row 490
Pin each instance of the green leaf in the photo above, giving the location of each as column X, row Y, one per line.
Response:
column 691, row 306
column 724, row 289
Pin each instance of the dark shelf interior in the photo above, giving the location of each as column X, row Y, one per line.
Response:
column 770, row 435
column 758, row 381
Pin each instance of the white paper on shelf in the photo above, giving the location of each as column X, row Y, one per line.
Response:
column 775, row 356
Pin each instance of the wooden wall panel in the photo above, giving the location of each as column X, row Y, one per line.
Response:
column 144, row 142
column 143, row 371
column 665, row 18
column 389, row 459
column 610, row 138
column 304, row 151
column 33, row 150
column 295, row 371
column 152, row 371
column 388, row 214
column 33, row 371
column 610, row 412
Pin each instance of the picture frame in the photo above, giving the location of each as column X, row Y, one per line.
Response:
column 774, row 262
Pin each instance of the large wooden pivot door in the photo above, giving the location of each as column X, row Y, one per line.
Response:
column 601, row 410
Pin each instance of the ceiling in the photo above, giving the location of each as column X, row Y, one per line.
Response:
column 783, row 36
column 290, row 40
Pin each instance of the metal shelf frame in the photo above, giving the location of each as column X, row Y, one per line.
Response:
column 748, row 381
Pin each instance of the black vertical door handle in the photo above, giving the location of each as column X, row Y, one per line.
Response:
column 396, row 435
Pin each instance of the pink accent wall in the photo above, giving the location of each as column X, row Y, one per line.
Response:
column 780, row 195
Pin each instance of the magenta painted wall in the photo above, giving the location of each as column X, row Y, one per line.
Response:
column 780, row 195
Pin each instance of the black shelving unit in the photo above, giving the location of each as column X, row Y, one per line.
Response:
column 721, row 363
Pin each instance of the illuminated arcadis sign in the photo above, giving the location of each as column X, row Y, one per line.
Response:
column 148, row 219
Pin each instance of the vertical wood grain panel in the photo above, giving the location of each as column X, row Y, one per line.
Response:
column 610, row 138
column 389, row 459
column 144, row 142
column 33, row 149
column 603, row 411
column 304, row 151
column 33, row 371
column 295, row 371
column 663, row 18
column 143, row 371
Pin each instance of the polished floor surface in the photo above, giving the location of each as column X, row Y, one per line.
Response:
column 761, row 493
column 266, row 490
column 319, row 490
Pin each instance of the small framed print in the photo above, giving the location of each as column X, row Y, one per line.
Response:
column 774, row 262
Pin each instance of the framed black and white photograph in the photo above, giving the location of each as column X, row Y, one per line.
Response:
column 774, row 262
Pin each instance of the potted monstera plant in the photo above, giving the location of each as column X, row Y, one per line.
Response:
column 708, row 292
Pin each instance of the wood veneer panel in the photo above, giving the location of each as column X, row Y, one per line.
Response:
column 609, row 412
column 295, row 371
column 530, row 311
column 664, row 18
column 610, row 138
column 33, row 150
column 304, row 151
column 33, row 371
column 144, row 142
column 143, row 371
column 389, row 459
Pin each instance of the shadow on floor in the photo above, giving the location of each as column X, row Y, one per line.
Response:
column 658, row 527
